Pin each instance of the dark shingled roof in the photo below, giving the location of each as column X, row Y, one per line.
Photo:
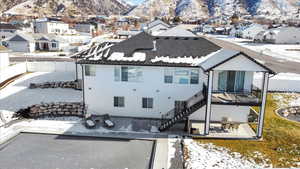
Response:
column 172, row 47
column 7, row 26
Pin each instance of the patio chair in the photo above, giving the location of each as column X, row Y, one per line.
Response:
column 107, row 121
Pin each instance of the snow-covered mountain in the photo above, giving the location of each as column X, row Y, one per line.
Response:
column 205, row 8
column 153, row 8
column 64, row 7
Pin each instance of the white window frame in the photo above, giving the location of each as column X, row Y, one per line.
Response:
column 90, row 70
column 118, row 76
column 117, row 103
column 148, row 102
column 176, row 77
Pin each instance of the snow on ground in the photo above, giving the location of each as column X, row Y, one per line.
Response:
column 211, row 156
column 289, row 52
column 284, row 100
column 17, row 95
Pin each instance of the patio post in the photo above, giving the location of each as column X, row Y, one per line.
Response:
column 263, row 105
column 208, row 103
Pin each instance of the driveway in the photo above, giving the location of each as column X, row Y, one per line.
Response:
column 36, row 151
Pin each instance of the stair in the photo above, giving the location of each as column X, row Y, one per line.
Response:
column 193, row 104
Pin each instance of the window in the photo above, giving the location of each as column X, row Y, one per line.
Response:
column 168, row 76
column 119, row 101
column 181, row 76
column 194, row 76
column 54, row 45
column 231, row 81
column 128, row 74
column 147, row 103
column 90, row 70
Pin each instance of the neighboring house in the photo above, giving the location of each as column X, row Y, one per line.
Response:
column 252, row 30
column 126, row 34
column 22, row 42
column 176, row 78
column 4, row 58
column 156, row 27
column 7, row 30
column 85, row 27
column 282, row 35
column 50, row 26
column 178, row 32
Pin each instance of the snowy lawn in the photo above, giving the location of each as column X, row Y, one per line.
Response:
column 289, row 52
column 17, row 95
column 280, row 146
column 207, row 155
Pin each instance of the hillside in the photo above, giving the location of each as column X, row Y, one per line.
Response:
column 64, row 7
column 205, row 8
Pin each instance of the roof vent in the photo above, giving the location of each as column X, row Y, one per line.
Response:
column 154, row 45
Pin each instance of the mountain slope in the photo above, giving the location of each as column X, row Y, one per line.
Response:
column 64, row 7
column 205, row 8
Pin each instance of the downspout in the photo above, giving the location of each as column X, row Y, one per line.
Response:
column 76, row 70
column 83, row 92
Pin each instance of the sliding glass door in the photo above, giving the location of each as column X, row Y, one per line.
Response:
column 231, row 81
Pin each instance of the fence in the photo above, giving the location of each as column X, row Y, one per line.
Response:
column 11, row 71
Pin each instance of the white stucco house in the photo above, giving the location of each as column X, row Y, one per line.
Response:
column 252, row 30
column 51, row 26
column 174, row 79
column 27, row 42
column 156, row 27
column 282, row 35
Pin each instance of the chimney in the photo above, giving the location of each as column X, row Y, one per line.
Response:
column 154, row 45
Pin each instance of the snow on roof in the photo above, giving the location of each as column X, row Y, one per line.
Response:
column 178, row 32
column 194, row 61
column 119, row 56
column 217, row 58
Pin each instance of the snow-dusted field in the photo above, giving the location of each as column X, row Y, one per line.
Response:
column 17, row 95
column 290, row 52
column 211, row 156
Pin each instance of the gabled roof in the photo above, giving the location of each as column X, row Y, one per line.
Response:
column 146, row 50
column 177, row 31
column 157, row 22
column 21, row 37
column 225, row 55
column 7, row 26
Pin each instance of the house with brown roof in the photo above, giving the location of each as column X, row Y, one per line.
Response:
column 179, row 80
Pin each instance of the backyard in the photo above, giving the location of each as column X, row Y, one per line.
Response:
column 280, row 146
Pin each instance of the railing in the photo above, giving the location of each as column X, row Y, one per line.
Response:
column 245, row 97
column 170, row 114
column 189, row 103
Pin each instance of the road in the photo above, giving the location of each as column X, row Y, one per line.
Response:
column 277, row 65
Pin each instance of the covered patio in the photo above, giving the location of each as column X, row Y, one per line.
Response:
column 240, row 131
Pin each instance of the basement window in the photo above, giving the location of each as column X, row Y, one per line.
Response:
column 119, row 101
column 147, row 103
